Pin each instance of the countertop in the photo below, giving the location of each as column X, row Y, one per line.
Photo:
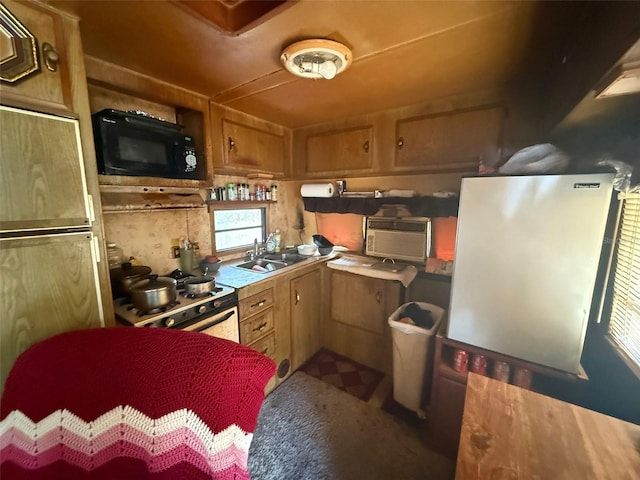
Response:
column 229, row 274
column 510, row 433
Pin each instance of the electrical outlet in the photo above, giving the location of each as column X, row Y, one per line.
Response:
column 175, row 252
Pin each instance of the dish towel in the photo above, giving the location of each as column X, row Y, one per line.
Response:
column 374, row 268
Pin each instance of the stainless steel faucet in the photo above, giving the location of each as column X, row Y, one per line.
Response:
column 255, row 248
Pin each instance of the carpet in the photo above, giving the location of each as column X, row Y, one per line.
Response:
column 308, row 429
column 342, row 372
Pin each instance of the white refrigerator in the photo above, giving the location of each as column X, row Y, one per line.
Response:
column 526, row 260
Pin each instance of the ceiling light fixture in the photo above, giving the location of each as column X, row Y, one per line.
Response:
column 316, row 58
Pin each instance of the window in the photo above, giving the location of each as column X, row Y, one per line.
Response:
column 624, row 324
column 238, row 228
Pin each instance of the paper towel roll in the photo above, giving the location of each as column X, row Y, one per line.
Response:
column 318, row 190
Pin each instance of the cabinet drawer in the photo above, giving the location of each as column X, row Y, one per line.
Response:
column 256, row 327
column 266, row 345
column 256, row 303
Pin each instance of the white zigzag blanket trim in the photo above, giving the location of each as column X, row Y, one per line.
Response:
column 129, row 416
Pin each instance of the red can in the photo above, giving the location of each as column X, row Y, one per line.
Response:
column 479, row 365
column 501, row 371
column 522, row 378
column 461, row 360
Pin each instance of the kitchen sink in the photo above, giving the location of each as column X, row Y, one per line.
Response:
column 262, row 265
column 288, row 258
column 272, row 262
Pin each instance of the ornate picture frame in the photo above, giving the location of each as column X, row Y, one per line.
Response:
column 18, row 48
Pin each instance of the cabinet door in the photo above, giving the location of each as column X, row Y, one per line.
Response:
column 46, row 87
column 305, row 317
column 49, row 285
column 250, row 149
column 359, row 301
column 41, row 172
column 447, row 414
column 449, row 140
column 340, row 151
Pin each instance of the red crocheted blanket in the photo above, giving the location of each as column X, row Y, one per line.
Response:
column 131, row 403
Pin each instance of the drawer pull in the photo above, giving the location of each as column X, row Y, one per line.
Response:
column 260, row 328
column 259, row 304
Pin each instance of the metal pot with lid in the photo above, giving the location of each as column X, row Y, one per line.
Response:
column 199, row 285
column 123, row 277
column 153, row 292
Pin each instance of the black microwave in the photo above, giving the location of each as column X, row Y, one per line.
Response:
column 134, row 143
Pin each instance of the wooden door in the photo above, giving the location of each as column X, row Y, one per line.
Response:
column 340, row 151
column 49, row 285
column 306, row 300
column 41, row 172
column 250, row 149
column 47, row 88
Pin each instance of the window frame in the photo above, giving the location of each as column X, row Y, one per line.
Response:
column 606, row 316
column 233, row 206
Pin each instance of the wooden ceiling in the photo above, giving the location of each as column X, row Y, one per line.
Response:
column 404, row 52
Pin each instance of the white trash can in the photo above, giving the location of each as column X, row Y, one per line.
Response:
column 412, row 356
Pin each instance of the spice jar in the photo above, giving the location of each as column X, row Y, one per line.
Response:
column 460, row 360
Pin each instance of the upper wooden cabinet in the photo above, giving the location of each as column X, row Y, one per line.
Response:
column 111, row 86
column 49, row 87
column 248, row 148
column 331, row 152
column 447, row 140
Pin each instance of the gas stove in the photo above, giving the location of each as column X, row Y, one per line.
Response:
column 185, row 311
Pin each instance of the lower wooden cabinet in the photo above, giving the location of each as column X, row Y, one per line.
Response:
column 448, row 390
column 358, row 328
column 305, row 317
column 257, row 325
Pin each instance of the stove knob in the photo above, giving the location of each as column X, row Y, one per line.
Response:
column 217, row 304
column 169, row 322
column 202, row 308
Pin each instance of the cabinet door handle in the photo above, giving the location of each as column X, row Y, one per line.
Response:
column 400, row 143
column 51, row 57
column 260, row 327
column 259, row 304
column 264, row 352
column 297, row 297
column 231, row 144
column 365, row 146
column 378, row 296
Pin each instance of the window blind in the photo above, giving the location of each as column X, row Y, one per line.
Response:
column 624, row 323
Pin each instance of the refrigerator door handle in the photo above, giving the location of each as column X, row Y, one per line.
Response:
column 96, row 248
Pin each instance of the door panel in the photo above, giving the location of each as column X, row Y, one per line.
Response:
column 49, row 285
column 41, row 172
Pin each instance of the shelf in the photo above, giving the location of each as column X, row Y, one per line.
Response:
column 239, row 203
column 423, row 206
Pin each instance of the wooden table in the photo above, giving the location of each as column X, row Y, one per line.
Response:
column 512, row 433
